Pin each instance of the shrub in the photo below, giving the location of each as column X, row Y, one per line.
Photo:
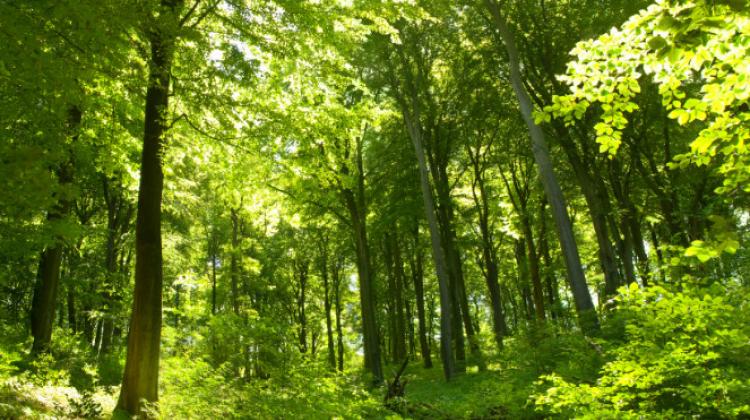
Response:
column 686, row 353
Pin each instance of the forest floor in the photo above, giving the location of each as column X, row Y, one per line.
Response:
column 497, row 392
column 73, row 383
column 490, row 394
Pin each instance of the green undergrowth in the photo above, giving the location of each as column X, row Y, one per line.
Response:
column 195, row 389
column 662, row 353
column 67, row 383
column 492, row 393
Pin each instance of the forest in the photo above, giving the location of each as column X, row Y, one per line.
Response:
column 376, row 209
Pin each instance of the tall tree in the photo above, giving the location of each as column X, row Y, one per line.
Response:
column 43, row 304
column 584, row 304
column 141, row 376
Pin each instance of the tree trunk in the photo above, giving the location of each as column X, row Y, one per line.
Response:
column 488, row 260
column 327, row 303
column 399, row 345
column 301, row 268
column 336, row 273
column 536, row 279
column 461, row 317
column 233, row 262
column 213, row 283
column 119, row 213
column 550, row 281
column 417, row 272
column 588, row 318
column 141, row 376
column 446, row 299
column 43, row 303
column 356, row 206
column 72, row 308
column 523, row 281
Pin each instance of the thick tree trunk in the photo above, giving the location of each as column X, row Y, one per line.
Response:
column 43, row 303
column 141, row 376
column 584, row 304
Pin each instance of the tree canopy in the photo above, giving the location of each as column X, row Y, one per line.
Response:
column 374, row 209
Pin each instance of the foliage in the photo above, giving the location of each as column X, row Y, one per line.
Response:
column 696, row 52
column 289, row 171
column 308, row 391
column 685, row 353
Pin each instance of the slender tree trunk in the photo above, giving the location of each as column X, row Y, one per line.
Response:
column 72, row 308
column 98, row 338
column 417, row 272
column 356, row 205
column 411, row 338
column 461, row 318
column 550, row 281
column 536, row 279
column 141, row 376
column 369, row 327
column 390, row 337
column 301, row 268
column 446, row 310
column 213, row 282
column 398, row 300
column 115, row 215
column 327, row 303
column 43, row 303
column 524, row 290
column 337, row 267
column 584, row 304
column 234, row 261
column 489, row 262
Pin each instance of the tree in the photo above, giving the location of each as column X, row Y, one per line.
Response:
column 584, row 304
column 141, row 377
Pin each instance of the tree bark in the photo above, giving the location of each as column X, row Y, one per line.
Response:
column 588, row 318
column 141, row 376
column 417, row 273
column 356, row 206
column 327, row 302
column 234, row 261
column 301, row 266
column 43, row 303
column 438, row 255
column 337, row 267
column 550, row 281
column 72, row 308
column 397, row 298
column 448, row 319
column 488, row 259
